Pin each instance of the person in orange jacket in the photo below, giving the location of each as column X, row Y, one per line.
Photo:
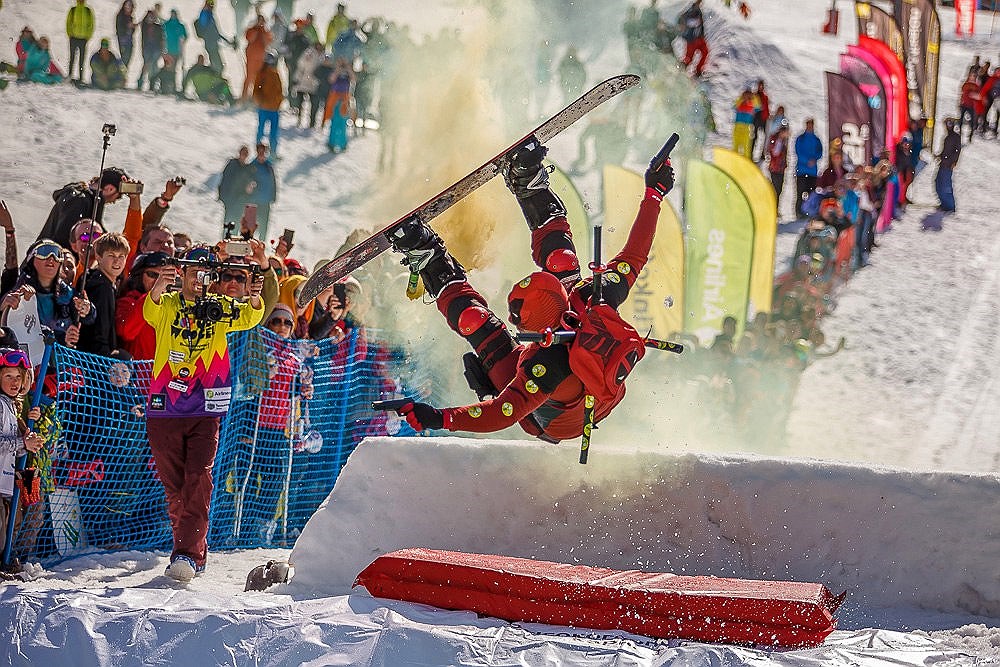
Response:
column 258, row 39
column 268, row 94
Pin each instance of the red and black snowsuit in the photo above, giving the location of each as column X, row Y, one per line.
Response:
column 537, row 388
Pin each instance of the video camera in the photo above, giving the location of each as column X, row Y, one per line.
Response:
column 209, row 308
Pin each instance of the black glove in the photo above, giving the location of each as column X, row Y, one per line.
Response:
column 422, row 416
column 661, row 180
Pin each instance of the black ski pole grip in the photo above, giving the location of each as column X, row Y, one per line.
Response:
column 390, row 406
column 664, row 153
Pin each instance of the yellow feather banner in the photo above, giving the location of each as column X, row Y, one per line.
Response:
column 760, row 194
column 657, row 298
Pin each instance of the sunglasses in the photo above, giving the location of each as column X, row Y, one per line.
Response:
column 13, row 358
column 86, row 236
column 48, row 251
column 152, row 275
column 280, row 320
column 237, row 278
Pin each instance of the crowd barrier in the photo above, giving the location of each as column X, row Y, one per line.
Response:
column 299, row 409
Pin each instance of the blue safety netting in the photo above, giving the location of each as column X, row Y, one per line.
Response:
column 299, row 409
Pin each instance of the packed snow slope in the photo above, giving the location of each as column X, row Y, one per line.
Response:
column 629, row 508
column 886, row 486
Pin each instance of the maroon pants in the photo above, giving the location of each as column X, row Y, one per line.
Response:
column 184, row 450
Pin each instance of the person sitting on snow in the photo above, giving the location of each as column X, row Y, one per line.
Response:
column 533, row 386
column 106, row 69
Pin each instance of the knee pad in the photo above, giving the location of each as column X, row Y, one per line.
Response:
column 471, row 319
column 562, row 261
column 556, row 253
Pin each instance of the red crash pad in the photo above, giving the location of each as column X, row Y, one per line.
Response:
column 710, row 609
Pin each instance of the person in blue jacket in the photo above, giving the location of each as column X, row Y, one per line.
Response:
column 808, row 151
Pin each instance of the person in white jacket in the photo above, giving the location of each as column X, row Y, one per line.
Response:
column 305, row 83
column 15, row 438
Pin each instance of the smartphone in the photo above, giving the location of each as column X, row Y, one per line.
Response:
column 129, row 188
column 237, row 248
column 250, row 215
column 287, row 235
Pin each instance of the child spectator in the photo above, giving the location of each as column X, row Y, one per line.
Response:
column 133, row 332
column 15, row 438
column 102, row 285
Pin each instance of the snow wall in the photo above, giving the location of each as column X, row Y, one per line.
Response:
column 889, row 537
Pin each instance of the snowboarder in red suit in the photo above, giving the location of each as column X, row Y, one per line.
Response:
column 530, row 385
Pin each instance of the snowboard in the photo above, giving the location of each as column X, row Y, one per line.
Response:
column 379, row 242
column 25, row 324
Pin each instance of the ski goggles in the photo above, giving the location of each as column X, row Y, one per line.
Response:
column 48, row 251
column 15, row 358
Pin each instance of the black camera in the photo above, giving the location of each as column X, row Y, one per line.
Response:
column 109, row 129
column 208, row 309
column 180, row 180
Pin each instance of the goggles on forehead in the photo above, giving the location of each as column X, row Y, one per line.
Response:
column 15, row 358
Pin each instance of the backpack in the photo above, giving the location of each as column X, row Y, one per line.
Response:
column 604, row 351
column 199, row 33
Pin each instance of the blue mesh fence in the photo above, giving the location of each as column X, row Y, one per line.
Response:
column 299, row 409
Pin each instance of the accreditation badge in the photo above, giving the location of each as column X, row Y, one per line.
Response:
column 183, row 374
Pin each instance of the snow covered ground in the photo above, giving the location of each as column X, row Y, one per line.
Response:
column 889, row 486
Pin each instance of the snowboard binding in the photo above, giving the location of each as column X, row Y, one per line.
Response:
column 524, row 173
column 425, row 255
column 528, row 179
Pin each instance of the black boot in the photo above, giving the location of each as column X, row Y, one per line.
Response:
column 424, row 253
column 528, row 179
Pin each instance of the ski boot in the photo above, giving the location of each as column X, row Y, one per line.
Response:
column 425, row 254
column 528, row 179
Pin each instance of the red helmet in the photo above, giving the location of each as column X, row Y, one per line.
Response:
column 538, row 302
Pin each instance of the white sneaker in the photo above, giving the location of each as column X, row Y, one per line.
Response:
column 181, row 568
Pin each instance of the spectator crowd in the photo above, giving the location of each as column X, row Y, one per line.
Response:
column 145, row 292
column 325, row 78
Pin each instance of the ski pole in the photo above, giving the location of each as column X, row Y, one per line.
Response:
column 547, row 338
column 36, row 398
